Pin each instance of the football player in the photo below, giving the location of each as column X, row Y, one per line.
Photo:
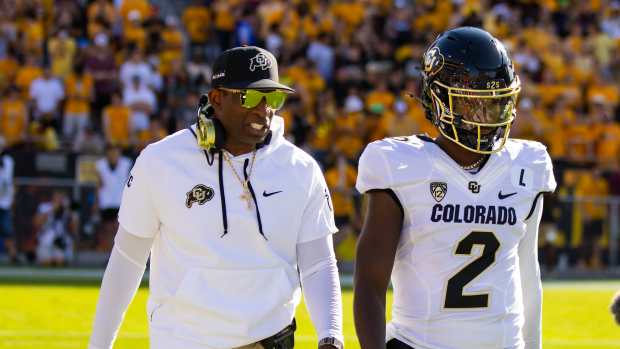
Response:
column 454, row 220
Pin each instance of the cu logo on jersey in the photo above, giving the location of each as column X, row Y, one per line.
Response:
column 474, row 187
column 439, row 190
column 261, row 61
column 433, row 61
column 200, row 194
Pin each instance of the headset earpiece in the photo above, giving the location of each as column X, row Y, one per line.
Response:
column 210, row 131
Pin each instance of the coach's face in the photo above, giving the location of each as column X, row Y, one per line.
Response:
column 244, row 127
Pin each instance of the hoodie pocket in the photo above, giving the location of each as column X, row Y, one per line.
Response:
column 226, row 307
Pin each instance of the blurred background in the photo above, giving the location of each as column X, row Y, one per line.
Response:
column 85, row 85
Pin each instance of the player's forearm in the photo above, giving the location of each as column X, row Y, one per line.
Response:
column 321, row 285
column 120, row 282
column 532, row 304
column 324, row 300
column 369, row 313
column 531, row 286
column 532, row 329
column 374, row 261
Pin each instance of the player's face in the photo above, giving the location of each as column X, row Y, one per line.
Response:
column 247, row 126
column 484, row 110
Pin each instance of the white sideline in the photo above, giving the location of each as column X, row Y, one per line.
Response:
column 346, row 280
column 68, row 274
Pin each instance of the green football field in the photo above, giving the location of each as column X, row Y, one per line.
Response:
column 576, row 316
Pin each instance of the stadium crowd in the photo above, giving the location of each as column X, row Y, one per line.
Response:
column 77, row 75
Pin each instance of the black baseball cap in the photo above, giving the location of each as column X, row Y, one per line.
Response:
column 247, row 67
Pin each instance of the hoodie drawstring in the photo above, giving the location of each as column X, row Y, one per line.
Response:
column 245, row 175
column 210, row 161
column 222, row 195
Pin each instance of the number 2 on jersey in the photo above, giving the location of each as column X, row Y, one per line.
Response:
column 455, row 299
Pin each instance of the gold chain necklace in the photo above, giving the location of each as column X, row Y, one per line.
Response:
column 474, row 165
column 247, row 196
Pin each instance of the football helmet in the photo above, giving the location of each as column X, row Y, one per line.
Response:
column 470, row 89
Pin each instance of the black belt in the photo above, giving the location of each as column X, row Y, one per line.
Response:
column 396, row 344
column 284, row 339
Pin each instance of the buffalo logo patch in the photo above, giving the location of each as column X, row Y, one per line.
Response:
column 439, row 190
column 433, row 61
column 200, row 193
column 261, row 61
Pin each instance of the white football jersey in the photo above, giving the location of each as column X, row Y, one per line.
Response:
column 456, row 274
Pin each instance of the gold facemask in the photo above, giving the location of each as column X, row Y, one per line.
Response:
column 478, row 112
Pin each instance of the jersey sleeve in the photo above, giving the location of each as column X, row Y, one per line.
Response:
column 372, row 172
column 138, row 213
column 318, row 216
column 545, row 181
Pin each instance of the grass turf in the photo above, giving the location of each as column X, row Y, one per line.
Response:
column 576, row 316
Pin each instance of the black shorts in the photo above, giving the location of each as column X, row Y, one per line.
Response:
column 342, row 221
column 593, row 230
column 396, row 344
column 6, row 223
column 109, row 214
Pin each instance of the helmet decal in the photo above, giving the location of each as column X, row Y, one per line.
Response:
column 433, row 61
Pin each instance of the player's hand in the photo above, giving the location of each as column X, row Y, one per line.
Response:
column 615, row 307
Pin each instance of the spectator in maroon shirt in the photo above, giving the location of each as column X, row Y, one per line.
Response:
column 101, row 65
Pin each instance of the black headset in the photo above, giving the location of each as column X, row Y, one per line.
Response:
column 210, row 132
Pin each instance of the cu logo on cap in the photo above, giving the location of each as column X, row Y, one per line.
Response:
column 261, row 61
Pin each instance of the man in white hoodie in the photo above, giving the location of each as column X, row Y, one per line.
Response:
column 235, row 218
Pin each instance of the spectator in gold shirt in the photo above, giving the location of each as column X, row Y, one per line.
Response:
column 197, row 19
column 80, row 91
column 117, row 122
column 13, row 118
column 62, row 50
